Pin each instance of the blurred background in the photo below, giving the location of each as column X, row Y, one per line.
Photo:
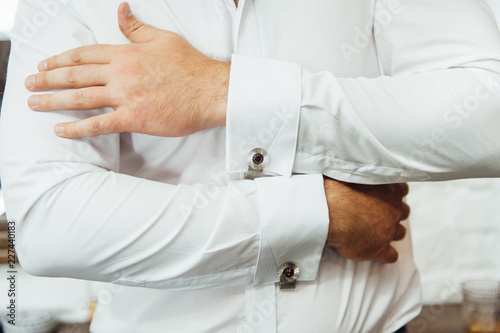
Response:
column 455, row 229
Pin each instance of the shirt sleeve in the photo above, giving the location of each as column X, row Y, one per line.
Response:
column 432, row 116
column 78, row 217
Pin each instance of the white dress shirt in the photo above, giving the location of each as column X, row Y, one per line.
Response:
column 167, row 216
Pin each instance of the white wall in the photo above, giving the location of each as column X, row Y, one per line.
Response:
column 456, row 234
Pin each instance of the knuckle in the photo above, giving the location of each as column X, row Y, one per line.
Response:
column 405, row 211
column 387, row 255
column 79, row 98
column 406, row 189
column 76, row 56
column 398, row 191
column 136, row 26
column 393, row 188
column 70, row 130
column 45, row 102
column 393, row 216
column 394, row 257
column 95, row 126
column 104, row 125
column 42, row 80
column 53, row 62
column 71, row 75
column 42, row 101
column 400, row 233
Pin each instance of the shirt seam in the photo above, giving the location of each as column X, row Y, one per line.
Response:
column 357, row 164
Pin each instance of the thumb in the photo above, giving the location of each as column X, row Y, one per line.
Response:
column 135, row 30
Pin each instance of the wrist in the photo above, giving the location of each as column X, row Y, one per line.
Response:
column 331, row 190
column 219, row 86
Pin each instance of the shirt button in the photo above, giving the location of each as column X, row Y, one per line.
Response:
column 288, row 273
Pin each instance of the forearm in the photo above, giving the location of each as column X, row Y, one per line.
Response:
column 122, row 229
column 434, row 126
column 430, row 117
column 416, row 127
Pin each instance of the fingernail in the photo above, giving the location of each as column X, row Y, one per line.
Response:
column 33, row 100
column 30, row 82
column 42, row 66
column 59, row 129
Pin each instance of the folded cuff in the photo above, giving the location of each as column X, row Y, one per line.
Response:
column 263, row 112
column 294, row 225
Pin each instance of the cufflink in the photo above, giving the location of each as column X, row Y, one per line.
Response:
column 258, row 159
column 288, row 273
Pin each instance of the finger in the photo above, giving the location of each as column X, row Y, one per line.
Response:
column 135, row 30
column 68, row 77
column 77, row 99
column 107, row 123
column 405, row 211
column 92, row 54
column 388, row 256
column 400, row 233
column 405, row 189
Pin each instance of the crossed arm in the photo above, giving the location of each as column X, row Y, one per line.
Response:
column 181, row 82
column 418, row 124
column 190, row 94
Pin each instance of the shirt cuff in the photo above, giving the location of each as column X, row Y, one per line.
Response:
column 294, row 225
column 263, row 112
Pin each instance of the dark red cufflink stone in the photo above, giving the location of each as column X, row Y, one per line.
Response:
column 257, row 158
column 288, row 272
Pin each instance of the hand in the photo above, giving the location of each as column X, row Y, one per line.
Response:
column 158, row 85
column 365, row 219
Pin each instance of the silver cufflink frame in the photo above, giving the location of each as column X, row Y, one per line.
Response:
column 288, row 281
column 257, row 160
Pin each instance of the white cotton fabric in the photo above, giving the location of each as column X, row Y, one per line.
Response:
column 169, row 218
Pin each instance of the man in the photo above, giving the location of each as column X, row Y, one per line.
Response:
column 367, row 296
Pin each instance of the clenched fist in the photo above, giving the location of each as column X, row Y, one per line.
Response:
column 365, row 219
